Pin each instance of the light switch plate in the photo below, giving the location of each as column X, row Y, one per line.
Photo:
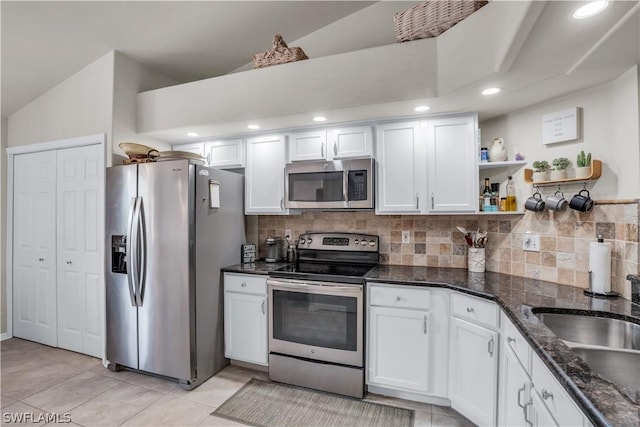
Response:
column 531, row 242
column 406, row 236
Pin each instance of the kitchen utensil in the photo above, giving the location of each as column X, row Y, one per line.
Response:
column 557, row 202
column 497, row 152
column 535, row 203
column 581, row 202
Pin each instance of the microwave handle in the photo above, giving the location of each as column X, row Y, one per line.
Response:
column 345, row 186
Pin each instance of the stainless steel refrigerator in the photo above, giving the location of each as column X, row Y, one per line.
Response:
column 170, row 227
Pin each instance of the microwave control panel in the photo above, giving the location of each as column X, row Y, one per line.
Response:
column 358, row 185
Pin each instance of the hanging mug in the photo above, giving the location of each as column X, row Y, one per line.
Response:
column 580, row 202
column 535, row 203
column 557, row 202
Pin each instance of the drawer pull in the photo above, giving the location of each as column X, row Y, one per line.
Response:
column 546, row 395
column 243, row 284
column 469, row 309
column 397, row 299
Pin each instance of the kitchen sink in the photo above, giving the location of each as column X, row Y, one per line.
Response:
column 611, row 347
column 617, row 366
column 590, row 330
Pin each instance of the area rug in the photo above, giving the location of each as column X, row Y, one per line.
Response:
column 262, row 403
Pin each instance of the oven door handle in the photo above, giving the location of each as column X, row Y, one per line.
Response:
column 315, row 285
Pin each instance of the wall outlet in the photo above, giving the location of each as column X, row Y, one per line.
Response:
column 287, row 234
column 406, row 236
column 531, row 242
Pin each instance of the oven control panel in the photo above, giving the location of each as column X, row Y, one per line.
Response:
column 339, row 242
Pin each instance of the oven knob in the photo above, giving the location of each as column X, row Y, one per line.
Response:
column 313, row 350
column 372, row 242
column 364, row 242
column 302, row 241
column 355, row 242
column 309, row 241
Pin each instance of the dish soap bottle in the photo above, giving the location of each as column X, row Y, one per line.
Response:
column 511, row 195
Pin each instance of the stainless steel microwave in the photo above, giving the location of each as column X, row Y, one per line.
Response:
column 339, row 184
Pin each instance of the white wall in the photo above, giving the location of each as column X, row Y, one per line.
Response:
column 610, row 132
column 80, row 105
column 130, row 77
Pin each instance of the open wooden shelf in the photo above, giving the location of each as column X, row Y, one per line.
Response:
column 596, row 172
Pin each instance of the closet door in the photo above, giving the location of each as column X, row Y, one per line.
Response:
column 80, row 266
column 34, row 247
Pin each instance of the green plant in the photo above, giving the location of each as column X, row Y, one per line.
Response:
column 541, row 166
column 583, row 160
column 561, row 163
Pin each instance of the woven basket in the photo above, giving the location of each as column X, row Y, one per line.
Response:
column 280, row 53
column 432, row 18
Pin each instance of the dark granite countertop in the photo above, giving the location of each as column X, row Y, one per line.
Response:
column 604, row 403
column 258, row 267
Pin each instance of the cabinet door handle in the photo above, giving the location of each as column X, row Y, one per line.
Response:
column 524, row 411
column 209, row 158
column 335, row 148
column 520, row 390
column 433, row 203
column 546, row 395
column 322, row 149
column 469, row 309
column 490, row 346
column 68, row 262
column 510, row 340
column 243, row 284
column 281, row 203
column 424, row 324
column 263, row 302
column 418, row 201
column 397, row 299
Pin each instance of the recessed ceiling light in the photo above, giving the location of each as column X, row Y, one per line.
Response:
column 253, row 127
column 421, row 108
column 319, row 119
column 491, row 91
column 590, row 9
column 192, row 134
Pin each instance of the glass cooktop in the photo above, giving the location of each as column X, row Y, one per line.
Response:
column 348, row 273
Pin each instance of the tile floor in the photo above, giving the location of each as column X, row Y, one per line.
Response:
column 37, row 379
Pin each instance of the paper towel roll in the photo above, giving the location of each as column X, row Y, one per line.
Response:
column 600, row 267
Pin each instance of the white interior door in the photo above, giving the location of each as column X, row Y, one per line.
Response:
column 34, row 247
column 80, row 266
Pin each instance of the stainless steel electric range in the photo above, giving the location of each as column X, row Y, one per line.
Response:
column 316, row 313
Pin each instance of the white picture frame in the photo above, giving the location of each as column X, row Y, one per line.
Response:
column 562, row 126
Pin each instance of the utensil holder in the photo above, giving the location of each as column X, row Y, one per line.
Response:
column 476, row 260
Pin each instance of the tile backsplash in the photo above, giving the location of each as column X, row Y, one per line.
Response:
column 435, row 241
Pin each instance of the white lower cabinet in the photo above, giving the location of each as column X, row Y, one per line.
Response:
column 473, row 383
column 406, row 344
column 245, row 318
column 529, row 394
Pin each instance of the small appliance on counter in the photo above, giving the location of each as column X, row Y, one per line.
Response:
column 275, row 249
column 600, row 269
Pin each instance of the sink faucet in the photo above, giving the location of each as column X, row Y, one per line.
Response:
column 635, row 287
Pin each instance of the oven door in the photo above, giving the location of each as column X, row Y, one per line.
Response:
column 316, row 320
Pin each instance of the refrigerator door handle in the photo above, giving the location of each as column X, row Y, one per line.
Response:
column 131, row 250
column 142, row 262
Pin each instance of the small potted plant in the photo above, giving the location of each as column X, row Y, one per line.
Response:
column 583, row 165
column 541, row 170
column 559, row 170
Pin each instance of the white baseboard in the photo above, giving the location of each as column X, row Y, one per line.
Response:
column 5, row 336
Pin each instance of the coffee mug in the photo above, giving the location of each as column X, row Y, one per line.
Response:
column 534, row 203
column 581, row 202
column 557, row 202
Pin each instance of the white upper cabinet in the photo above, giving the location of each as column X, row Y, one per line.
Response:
column 332, row 144
column 400, row 156
column 350, row 142
column 264, row 175
column 311, row 145
column 225, row 154
column 452, row 164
